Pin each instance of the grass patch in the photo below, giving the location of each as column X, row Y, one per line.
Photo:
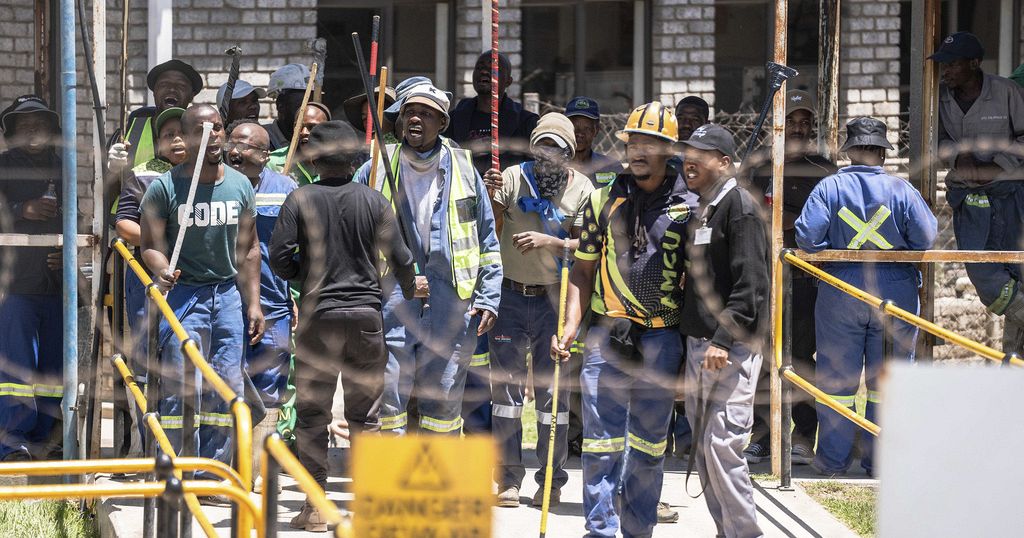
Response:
column 853, row 505
column 530, row 425
column 45, row 519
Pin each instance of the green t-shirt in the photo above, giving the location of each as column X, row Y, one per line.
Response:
column 208, row 250
column 300, row 173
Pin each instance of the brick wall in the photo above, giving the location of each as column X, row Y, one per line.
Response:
column 684, row 50
column 469, row 44
column 16, row 49
column 869, row 64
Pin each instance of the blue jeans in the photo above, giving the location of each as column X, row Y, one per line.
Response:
column 31, row 371
column 526, row 325
column 617, row 390
column 267, row 362
column 476, row 403
column 212, row 317
column 849, row 336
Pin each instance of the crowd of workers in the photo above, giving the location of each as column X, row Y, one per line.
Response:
column 430, row 281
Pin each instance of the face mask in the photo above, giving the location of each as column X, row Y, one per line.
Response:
column 550, row 170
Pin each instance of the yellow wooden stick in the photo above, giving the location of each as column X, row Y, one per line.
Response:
column 300, row 117
column 374, row 147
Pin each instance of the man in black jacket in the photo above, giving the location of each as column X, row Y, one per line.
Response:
column 30, row 285
column 724, row 299
column 328, row 236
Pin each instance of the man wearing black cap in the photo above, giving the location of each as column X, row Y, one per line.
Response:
column 981, row 129
column 30, row 310
column 691, row 112
column 861, row 208
column 803, row 169
column 174, row 83
column 339, row 229
column 585, row 115
column 725, row 298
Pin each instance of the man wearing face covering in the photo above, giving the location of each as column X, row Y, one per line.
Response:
column 538, row 212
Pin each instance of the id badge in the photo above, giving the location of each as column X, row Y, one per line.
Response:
column 703, row 236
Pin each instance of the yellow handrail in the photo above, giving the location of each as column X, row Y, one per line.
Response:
column 897, row 312
column 239, row 409
column 202, row 488
column 820, row 396
column 275, row 448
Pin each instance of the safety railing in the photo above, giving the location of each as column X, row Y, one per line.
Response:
column 277, row 456
column 240, row 412
column 783, row 344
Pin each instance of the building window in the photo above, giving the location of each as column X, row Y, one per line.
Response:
column 580, row 48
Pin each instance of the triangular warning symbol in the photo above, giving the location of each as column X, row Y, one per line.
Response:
column 425, row 472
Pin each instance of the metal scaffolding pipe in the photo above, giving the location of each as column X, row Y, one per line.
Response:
column 778, row 161
column 69, row 160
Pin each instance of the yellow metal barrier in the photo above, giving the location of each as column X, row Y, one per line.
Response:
column 201, row 488
column 239, row 409
column 897, row 312
column 277, row 453
column 820, row 396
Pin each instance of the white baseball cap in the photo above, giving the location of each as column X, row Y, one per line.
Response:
column 288, row 77
column 241, row 89
column 428, row 95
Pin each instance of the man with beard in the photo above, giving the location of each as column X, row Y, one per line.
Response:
column 220, row 246
column 449, row 226
column 31, row 316
column 302, row 170
column 174, row 83
column 802, row 171
column 981, row 129
column 267, row 361
column 334, row 236
column 627, row 270
column 538, row 211
column 244, row 103
column 287, row 87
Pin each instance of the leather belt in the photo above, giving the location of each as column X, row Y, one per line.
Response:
column 528, row 290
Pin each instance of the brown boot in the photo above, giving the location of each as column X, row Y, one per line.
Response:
column 309, row 519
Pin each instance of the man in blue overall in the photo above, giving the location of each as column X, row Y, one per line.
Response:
column 861, row 208
column 449, row 225
column 981, row 129
column 30, row 311
column 220, row 246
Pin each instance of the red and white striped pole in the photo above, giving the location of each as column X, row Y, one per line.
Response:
column 374, row 39
column 494, row 85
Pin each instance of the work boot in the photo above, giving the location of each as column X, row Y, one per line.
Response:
column 263, row 429
column 666, row 514
column 802, row 454
column 509, row 497
column 309, row 519
column 556, row 496
column 217, row 500
column 756, row 453
column 19, row 454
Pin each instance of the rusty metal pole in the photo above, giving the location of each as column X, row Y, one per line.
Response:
column 778, row 160
column 828, row 78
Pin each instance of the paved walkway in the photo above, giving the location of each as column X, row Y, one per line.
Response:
column 780, row 513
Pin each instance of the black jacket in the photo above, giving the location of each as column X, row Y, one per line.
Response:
column 735, row 264
column 514, row 123
column 23, row 178
column 330, row 235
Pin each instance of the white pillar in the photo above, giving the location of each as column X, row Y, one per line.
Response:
column 161, row 41
column 441, row 45
column 638, row 53
column 1006, row 20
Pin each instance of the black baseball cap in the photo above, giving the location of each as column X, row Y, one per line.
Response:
column 175, row 65
column 959, row 45
column 26, row 104
column 333, row 138
column 865, row 132
column 713, row 137
column 583, row 106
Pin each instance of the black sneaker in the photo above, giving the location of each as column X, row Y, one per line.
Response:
column 756, row 453
column 19, row 454
column 802, row 454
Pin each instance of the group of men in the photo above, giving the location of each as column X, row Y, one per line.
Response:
column 426, row 278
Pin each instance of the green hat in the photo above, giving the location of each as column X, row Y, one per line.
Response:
column 168, row 114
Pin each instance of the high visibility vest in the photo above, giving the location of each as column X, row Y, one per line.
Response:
column 463, row 241
column 140, row 135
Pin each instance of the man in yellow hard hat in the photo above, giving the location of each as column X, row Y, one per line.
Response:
column 627, row 270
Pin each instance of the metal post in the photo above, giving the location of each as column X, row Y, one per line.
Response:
column 69, row 160
column 786, row 474
column 152, row 399
column 828, row 78
column 122, row 413
column 188, row 433
column 887, row 334
column 270, row 481
column 778, row 160
column 170, row 501
column 149, row 504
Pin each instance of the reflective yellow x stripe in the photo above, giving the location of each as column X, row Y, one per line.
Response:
column 866, row 231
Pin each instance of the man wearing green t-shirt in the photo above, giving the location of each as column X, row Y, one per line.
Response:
column 220, row 245
column 302, row 169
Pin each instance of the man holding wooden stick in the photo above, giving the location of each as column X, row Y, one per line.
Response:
column 219, row 246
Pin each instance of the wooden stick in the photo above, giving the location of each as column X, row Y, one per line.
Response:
column 375, row 148
column 495, row 163
column 300, row 117
column 563, row 292
column 374, row 40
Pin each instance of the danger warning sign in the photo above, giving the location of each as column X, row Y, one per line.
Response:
column 422, row 487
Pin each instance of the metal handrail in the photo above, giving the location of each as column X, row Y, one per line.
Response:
column 239, row 409
column 914, row 256
column 278, row 456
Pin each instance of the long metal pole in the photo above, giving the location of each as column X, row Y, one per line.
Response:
column 778, row 160
column 828, row 82
column 69, row 159
column 786, row 476
column 495, row 86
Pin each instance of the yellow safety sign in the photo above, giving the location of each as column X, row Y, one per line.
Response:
column 423, row 487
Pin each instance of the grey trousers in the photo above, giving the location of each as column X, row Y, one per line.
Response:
column 728, row 395
column 1013, row 336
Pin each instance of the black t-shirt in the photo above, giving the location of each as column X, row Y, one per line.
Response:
column 799, row 179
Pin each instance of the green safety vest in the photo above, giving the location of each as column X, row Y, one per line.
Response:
column 464, row 243
column 140, row 136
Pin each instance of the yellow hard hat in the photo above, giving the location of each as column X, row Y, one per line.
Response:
column 651, row 119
